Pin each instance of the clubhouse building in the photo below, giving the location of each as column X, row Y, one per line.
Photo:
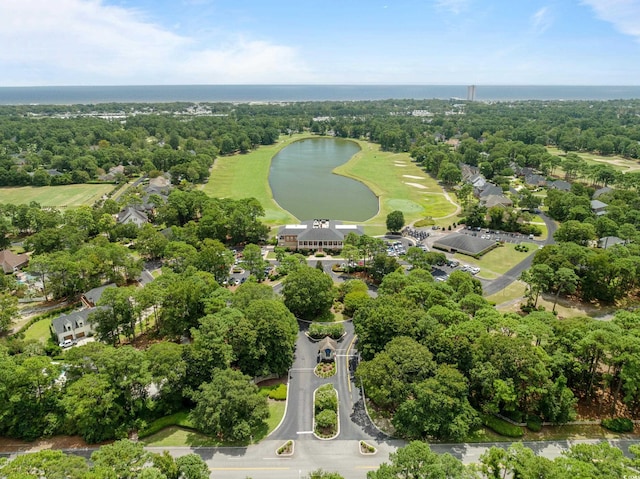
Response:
column 317, row 235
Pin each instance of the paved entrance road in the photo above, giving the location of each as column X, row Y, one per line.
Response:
column 492, row 287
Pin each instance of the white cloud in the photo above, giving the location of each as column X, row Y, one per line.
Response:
column 624, row 15
column 86, row 42
column 541, row 20
column 453, row 6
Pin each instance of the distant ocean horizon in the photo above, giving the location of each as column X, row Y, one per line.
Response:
column 67, row 95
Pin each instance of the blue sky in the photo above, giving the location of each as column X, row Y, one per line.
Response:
column 124, row 42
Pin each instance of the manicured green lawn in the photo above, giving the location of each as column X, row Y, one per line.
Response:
column 243, row 176
column 399, row 183
column 499, row 260
column 176, row 436
column 67, row 196
column 393, row 177
column 39, row 331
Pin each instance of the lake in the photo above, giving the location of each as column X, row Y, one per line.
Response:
column 302, row 182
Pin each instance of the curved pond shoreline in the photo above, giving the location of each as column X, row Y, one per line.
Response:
column 303, row 181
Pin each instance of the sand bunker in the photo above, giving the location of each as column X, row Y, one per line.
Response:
column 414, row 177
column 400, row 164
column 416, row 185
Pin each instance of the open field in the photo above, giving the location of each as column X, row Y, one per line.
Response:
column 398, row 182
column 499, row 260
column 618, row 162
column 67, row 196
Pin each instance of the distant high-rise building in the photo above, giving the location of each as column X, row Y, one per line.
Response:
column 471, row 92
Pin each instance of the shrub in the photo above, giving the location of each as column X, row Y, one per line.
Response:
column 618, row 424
column 326, row 400
column 325, row 370
column 178, row 419
column 534, row 423
column 502, row 427
column 326, row 419
column 286, row 448
column 319, row 331
column 279, row 393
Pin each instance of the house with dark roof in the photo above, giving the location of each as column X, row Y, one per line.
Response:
column 316, row 235
column 465, row 244
column 535, row 180
column 74, row 325
column 559, row 185
column 488, row 190
column 598, row 207
column 609, row 241
column 132, row 215
column 90, row 298
column 601, row 191
column 496, row 200
column 12, row 262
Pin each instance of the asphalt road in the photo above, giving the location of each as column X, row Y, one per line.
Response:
column 492, row 287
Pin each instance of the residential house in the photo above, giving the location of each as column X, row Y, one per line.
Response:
column 316, row 235
column 73, row 326
column 132, row 215
column 496, row 200
column 559, row 185
column 488, row 190
column 535, row 180
column 598, row 207
column 609, row 241
column 90, row 298
column 12, row 262
column 601, row 191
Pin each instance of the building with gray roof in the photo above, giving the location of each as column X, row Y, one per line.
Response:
column 316, row 235
column 465, row 244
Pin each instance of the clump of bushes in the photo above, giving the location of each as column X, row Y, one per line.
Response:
column 534, row 423
column 319, row 331
column 286, row 449
column 277, row 393
column 502, row 427
column 367, row 448
column 522, row 248
column 325, row 370
column 325, row 403
column 618, row 424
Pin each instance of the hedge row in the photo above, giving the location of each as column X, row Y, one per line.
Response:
column 319, row 331
column 618, row 424
column 502, row 427
column 178, row 419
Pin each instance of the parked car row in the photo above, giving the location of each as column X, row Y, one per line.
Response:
column 471, row 269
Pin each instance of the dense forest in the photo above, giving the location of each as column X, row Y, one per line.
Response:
column 41, row 145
